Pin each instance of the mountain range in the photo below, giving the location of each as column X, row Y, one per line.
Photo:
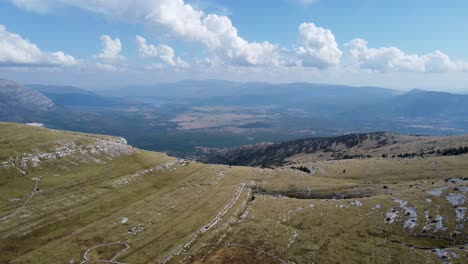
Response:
column 196, row 118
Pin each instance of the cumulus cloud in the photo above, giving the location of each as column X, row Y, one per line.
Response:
column 237, row 50
column 111, row 49
column 393, row 59
column 318, row 47
column 16, row 51
column 161, row 53
column 181, row 20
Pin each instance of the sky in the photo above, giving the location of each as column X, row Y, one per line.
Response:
column 107, row 43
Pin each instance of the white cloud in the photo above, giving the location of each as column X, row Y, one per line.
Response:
column 318, row 47
column 304, row 3
column 393, row 59
column 111, row 49
column 34, row 5
column 237, row 50
column 162, row 53
column 16, row 51
column 177, row 19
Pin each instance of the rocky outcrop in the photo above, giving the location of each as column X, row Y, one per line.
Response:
column 88, row 152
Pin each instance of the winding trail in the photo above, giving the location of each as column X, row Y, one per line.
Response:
column 113, row 260
column 25, row 202
column 180, row 248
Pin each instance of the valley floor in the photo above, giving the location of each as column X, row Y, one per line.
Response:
column 98, row 200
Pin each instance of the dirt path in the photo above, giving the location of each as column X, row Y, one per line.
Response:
column 86, row 259
column 185, row 246
column 25, row 202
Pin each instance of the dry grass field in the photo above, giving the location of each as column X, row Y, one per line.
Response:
column 79, row 198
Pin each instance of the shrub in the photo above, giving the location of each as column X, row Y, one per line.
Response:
column 302, row 168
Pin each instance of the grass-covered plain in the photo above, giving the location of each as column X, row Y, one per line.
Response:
column 118, row 206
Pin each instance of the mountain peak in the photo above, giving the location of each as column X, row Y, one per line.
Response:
column 15, row 98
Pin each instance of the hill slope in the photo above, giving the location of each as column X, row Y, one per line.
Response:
column 18, row 103
column 364, row 145
column 80, row 198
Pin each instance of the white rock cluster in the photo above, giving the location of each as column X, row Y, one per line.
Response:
column 35, row 124
column 135, row 230
column 391, row 216
column 437, row 191
column 293, row 238
column 352, row 203
column 356, row 203
column 456, row 199
column 109, row 148
column 168, row 165
column 410, row 214
column 460, row 214
column 434, row 223
column 445, row 254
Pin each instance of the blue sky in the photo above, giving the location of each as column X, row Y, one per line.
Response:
column 415, row 26
column 399, row 44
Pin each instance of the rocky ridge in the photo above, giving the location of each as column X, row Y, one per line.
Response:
column 12, row 92
column 111, row 147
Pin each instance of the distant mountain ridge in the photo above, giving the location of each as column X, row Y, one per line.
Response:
column 210, row 115
column 260, row 91
column 71, row 96
column 419, row 104
column 335, row 103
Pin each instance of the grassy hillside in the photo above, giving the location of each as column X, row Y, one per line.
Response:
column 79, row 198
